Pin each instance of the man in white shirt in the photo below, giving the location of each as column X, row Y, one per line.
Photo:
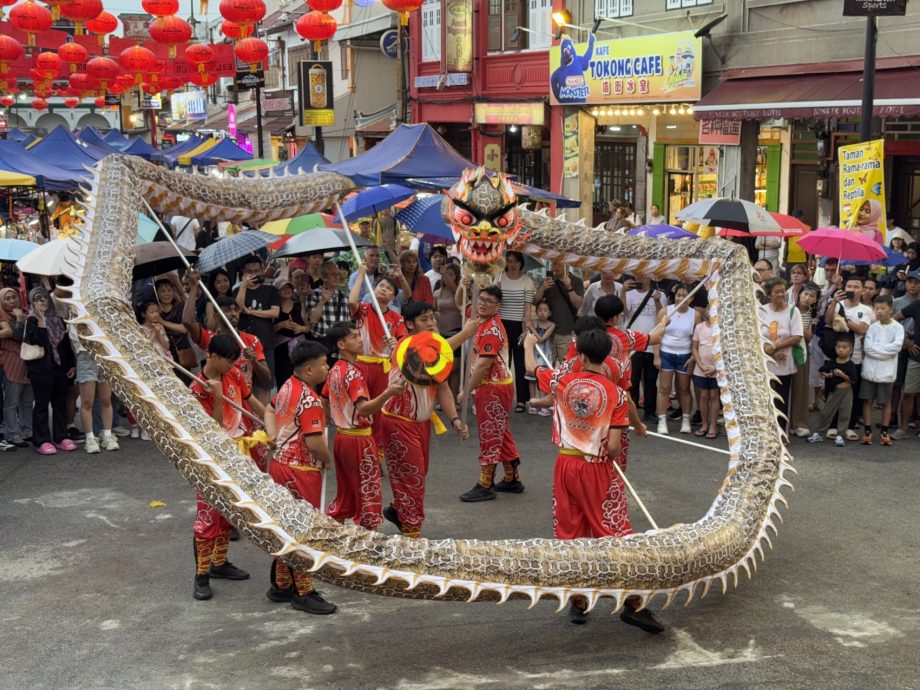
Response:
column 437, row 257
column 642, row 305
column 858, row 316
column 607, row 285
column 185, row 230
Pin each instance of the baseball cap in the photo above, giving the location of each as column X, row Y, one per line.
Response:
column 913, row 275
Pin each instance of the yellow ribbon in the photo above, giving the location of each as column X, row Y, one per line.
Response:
column 382, row 361
column 363, row 431
column 258, row 438
column 436, row 422
column 498, row 383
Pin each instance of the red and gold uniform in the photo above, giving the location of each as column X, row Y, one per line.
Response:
column 406, row 422
column 212, row 531
column 375, row 362
column 357, row 467
column 298, row 414
column 492, row 401
column 588, row 496
column 625, row 342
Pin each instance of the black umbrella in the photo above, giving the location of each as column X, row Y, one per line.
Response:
column 155, row 258
column 726, row 212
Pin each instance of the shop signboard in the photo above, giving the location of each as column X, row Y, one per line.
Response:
column 876, row 8
column 457, row 36
column 231, row 119
column 720, row 132
column 389, row 43
column 189, row 105
column 509, row 113
column 112, row 99
column 570, row 146
column 314, row 88
column 862, row 188
column 663, row 68
column 277, row 103
column 492, row 156
column 150, row 102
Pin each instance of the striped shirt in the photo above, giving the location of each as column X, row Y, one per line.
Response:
column 517, row 295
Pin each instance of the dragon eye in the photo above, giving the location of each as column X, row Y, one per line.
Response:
column 505, row 220
column 464, row 217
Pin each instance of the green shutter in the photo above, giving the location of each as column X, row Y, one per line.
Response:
column 774, row 166
column 658, row 155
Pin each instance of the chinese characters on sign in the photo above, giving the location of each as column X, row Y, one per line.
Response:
column 458, row 36
column 570, row 146
column 720, row 132
column 314, row 84
column 509, row 113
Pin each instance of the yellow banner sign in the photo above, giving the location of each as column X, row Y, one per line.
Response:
column 458, row 35
column 862, row 189
column 641, row 69
column 509, row 113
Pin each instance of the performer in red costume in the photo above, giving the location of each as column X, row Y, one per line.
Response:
column 374, row 363
column 407, row 420
column 218, row 382
column 492, row 386
column 589, row 416
column 298, row 464
column 357, row 466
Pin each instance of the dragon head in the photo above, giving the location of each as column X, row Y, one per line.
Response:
column 482, row 211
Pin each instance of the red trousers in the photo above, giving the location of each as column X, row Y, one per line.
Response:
column 305, row 485
column 377, row 381
column 492, row 405
column 406, row 449
column 357, row 477
column 589, row 500
column 209, row 523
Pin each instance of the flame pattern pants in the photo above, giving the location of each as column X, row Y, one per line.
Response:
column 589, row 500
column 305, row 485
column 406, row 450
column 492, row 405
column 358, row 481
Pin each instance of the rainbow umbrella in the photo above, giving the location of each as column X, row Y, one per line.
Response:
column 254, row 164
column 298, row 224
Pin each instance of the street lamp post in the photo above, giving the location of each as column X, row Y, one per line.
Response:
column 868, row 90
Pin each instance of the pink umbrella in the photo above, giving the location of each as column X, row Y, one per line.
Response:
column 846, row 245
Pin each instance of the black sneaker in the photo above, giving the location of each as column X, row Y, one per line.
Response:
column 641, row 619
column 313, row 602
column 234, row 534
column 675, row 414
column 577, row 615
column 275, row 593
column 512, row 487
column 390, row 514
column 697, row 418
column 75, row 435
column 650, row 417
column 202, row 589
column 478, row 493
column 228, row 571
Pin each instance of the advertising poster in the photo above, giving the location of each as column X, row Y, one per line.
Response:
column 570, row 146
column 862, row 189
column 314, row 85
column 662, row 68
column 458, row 35
column 189, row 105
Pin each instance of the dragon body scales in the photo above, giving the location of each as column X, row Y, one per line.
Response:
column 684, row 558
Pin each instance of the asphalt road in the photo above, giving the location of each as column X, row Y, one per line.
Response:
column 95, row 586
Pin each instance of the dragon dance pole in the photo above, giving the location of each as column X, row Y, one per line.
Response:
column 367, row 280
column 202, row 286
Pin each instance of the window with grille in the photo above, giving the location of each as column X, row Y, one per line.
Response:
column 613, row 9
column 431, row 31
column 683, row 4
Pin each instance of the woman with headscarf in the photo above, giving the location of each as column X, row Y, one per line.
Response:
column 51, row 374
column 17, row 390
column 867, row 219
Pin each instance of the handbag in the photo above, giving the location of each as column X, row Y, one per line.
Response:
column 29, row 352
column 799, row 350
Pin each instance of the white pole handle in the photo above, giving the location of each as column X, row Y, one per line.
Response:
column 367, row 280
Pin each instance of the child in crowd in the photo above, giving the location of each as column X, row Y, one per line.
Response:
column 704, row 378
column 839, row 375
column 881, row 346
column 543, row 328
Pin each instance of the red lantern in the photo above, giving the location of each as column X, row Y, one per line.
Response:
column 243, row 12
column 83, row 83
column 234, row 31
column 71, row 101
column 324, row 5
column 10, row 51
column 30, row 19
column 104, row 69
column 125, row 81
column 160, row 8
column 170, row 31
column 7, row 101
column 199, row 54
column 252, row 51
column 170, row 83
column 116, row 89
column 80, row 12
column 317, row 27
column 49, row 63
column 203, row 79
column 104, row 24
column 137, row 60
column 99, row 102
column 74, row 54
column 39, row 104
column 150, row 89
column 403, row 7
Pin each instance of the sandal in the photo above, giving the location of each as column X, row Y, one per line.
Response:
column 711, row 435
column 699, row 432
column 520, row 407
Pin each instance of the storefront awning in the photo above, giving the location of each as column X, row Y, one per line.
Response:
column 897, row 94
column 366, row 27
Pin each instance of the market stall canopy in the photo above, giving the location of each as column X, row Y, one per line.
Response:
column 141, row 148
column 15, row 158
column 89, row 135
column 225, row 150
column 303, row 162
column 115, row 138
column 185, row 158
column 523, row 191
column 61, row 148
column 20, row 137
column 411, row 151
column 171, row 155
column 8, row 178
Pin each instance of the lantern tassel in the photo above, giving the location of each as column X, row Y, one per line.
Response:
column 203, row 7
column 404, row 18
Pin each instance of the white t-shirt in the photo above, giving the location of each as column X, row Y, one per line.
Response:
column 862, row 314
column 433, row 277
column 517, row 295
column 185, row 229
column 779, row 325
column 645, row 321
column 594, row 293
column 679, row 332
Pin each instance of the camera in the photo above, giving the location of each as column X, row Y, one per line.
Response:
column 850, row 295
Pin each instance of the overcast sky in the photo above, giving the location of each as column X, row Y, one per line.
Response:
column 117, row 7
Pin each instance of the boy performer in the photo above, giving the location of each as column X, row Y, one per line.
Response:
column 299, row 460
column 357, row 465
column 406, row 424
column 589, row 415
column 218, row 382
column 493, row 385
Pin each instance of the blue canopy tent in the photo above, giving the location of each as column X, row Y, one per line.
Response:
column 303, row 162
column 61, row 148
column 171, row 155
column 89, row 135
column 20, row 137
column 226, row 150
column 524, row 191
column 141, row 148
column 410, row 152
column 115, row 138
column 14, row 157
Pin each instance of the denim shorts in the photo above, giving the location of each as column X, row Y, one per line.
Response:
column 672, row 361
column 86, row 368
column 706, row 383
